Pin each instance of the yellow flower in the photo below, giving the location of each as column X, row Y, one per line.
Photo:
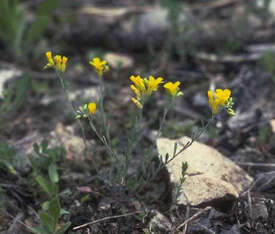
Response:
column 212, row 103
column 50, row 60
column 137, row 103
column 64, row 63
column 144, row 87
column 92, row 108
column 99, row 66
column 137, row 92
column 153, row 84
column 58, row 62
column 220, row 98
column 139, row 84
column 172, row 88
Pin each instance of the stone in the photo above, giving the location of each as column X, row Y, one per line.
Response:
column 210, row 175
column 272, row 123
column 74, row 145
column 6, row 75
column 91, row 93
column 159, row 223
column 119, row 61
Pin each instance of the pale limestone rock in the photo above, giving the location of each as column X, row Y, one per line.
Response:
column 272, row 123
column 210, row 175
column 116, row 60
column 6, row 75
column 159, row 224
column 74, row 145
column 91, row 93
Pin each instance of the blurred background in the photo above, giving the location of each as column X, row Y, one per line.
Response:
column 205, row 44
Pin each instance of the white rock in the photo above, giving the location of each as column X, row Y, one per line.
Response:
column 116, row 60
column 159, row 224
column 5, row 75
column 272, row 123
column 210, row 175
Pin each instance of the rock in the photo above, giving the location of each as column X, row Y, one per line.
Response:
column 210, row 175
column 123, row 27
column 121, row 65
column 61, row 136
column 259, row 209
column 73, row 144
column 109, row 15
column 159, row 224
column 6, row 75
column 154, row 20
column 119, row 61
column 272, row 123
column 91, row 93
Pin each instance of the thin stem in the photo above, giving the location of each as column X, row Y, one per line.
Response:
column 166, row 109
column 101, row 103
column 187, row 145
column 193, row 138
column 102, row 138
column 66, row 90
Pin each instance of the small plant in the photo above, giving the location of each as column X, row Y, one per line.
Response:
column 44, row 167
column 7, row 158
column 49, row 218
column 45, row 173
column 17, row 35
column 117, row 176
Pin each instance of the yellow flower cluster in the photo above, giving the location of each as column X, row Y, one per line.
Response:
column 143, row 88
column 58, row 62
column 221, row 98
column 100, row 66
column 173, row 88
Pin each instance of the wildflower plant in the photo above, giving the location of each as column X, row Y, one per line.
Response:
column 221, row 99
column 46, row 159
column 143, row 88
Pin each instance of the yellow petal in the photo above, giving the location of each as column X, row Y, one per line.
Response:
column 92, row 108
column 137, row 103
column 64, row 62
column 137, row 92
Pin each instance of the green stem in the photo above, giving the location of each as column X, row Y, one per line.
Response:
column 101, row 104
column 166, row 110
column 66, row 90
column 102, row 138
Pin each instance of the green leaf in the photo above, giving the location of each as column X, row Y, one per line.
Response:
column 54, row 209
column 44, row 184
column 53, row 174
column 36, row 148
column 48, row 221
column 45, row 205
column 38, row 230
column 44, row 145
column 64, row 228
column 64, row 212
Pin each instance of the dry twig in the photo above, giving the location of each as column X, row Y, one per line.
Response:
column 106, row 218
column 193, row 217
